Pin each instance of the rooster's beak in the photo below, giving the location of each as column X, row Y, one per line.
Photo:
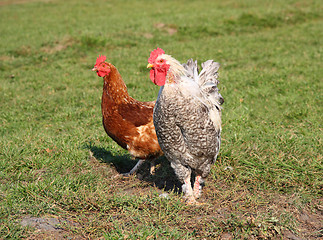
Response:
column 94, row 69
column 150, row 65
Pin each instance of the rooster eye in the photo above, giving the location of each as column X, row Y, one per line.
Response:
column 161, row 60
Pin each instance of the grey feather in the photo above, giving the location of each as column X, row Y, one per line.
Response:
column 187, row 119
column 185, row 132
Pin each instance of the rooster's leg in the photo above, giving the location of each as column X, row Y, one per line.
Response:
column 187, row 187
column 188, row 191
column 135, row 168
column 197, row 191
column 183, row 174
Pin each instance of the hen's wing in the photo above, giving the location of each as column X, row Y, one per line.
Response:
column 136, row 113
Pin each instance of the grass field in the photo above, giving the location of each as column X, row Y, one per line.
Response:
column 58, row 165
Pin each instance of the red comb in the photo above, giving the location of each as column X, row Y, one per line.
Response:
column 100, row 59
column 154, row 54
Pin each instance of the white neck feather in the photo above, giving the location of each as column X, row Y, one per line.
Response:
column 175, row 68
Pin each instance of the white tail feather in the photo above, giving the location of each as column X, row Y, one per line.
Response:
column 207, row 79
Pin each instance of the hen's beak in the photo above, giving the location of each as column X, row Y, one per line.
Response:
column 94, row 69
column 150, row 65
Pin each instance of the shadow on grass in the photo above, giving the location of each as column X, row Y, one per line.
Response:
column 163, row 178
column 122, row 164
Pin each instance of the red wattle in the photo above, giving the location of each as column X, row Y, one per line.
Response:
column 152, row 75
column 158, row 76
column 103, row 73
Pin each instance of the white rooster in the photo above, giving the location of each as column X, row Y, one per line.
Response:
column 187, row 117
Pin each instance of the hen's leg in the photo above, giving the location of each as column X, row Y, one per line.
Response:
column 152, row 166
column 197, row 190
column 135, row 168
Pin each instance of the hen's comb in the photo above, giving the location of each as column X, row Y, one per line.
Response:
column 100, row 59
column 154, row 54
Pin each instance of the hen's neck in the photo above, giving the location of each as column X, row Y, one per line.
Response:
column 114, row 86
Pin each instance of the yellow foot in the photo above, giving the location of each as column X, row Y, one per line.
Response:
column 191, row 202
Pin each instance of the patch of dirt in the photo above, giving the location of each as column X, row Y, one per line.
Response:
column 50, row 228
column 171, row 29
column 58, row 46
column 148, row 35
column 6, row 58
column 309, row 219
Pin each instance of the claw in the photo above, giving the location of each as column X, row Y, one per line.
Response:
column 191, row 201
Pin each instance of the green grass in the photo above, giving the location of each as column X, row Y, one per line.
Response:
column 56, row 160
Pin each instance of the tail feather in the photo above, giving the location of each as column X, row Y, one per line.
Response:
column 192, row 69
column 207, row 78
column 209, row 72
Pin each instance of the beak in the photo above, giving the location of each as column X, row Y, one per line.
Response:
column 150, row 65
column 94, row 69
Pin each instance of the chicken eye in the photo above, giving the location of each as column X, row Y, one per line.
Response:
column 161, row 60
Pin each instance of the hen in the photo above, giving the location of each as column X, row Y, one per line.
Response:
column 187, row 117
column 127, row 121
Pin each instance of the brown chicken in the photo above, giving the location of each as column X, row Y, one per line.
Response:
column 127, row 121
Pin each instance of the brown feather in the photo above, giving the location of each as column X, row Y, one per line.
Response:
column 127, row 121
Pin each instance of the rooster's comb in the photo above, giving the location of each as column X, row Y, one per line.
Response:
column 100, row 59
column 154, row 54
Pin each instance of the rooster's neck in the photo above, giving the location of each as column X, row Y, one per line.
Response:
column 114, row 86
column 176, row 69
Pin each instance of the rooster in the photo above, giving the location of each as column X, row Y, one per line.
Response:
column 187, row 117
column 127, row 121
